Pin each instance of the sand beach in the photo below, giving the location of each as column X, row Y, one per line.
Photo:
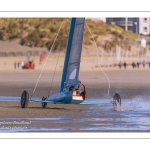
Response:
column 129, row 83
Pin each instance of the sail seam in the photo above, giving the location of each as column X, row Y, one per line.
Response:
column 77, row 43
column 80, row 23
column 74, row 63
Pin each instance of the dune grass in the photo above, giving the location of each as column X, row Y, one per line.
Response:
column 40, row 32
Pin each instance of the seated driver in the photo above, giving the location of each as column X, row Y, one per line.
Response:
column 76, row 90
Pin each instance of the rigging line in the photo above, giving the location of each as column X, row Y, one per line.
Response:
column 99, row 59
column 54, row 74
column 55, row 69
column 46, row 59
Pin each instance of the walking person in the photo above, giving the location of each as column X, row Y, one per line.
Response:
column 125, row 64
column 15, row 64
column 18, row 64
column 133, row 65
column 120, row 64
column 144, row 63
column 138, row 64
column 22, row 65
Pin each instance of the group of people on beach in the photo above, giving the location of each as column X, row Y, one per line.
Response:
column 134, row 65
column 17, row 64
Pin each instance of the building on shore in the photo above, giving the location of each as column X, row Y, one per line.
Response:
column 135, row 25
column 144, row 26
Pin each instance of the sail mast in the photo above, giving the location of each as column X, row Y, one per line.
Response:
column 73, row 20
column 73, row 53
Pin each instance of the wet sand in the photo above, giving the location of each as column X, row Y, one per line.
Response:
column 128, row 83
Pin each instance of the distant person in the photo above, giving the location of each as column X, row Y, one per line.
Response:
column 15, row 64
column 18, row 64
column 138, row 64
column 120, row 64
column 149, row 64
column 28, row 58
column 22, row 64
column 133, row 65
column 143, row 63
column 125, row 65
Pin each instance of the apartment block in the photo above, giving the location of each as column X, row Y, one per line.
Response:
column 128, row 24
column 144, row 26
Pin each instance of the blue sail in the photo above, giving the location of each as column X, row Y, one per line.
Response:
column 73, row 54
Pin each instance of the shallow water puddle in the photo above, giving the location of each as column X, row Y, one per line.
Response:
column 134, row 115
column 123, row 122
column 27, row 124
column 9, row 99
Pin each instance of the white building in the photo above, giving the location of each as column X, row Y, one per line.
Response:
column 144, row 26
column 136, row 25
column 128, row 24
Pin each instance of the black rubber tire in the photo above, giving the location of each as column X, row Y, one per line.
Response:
column 44, row 104
column 24, row 99
column 117, row 98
